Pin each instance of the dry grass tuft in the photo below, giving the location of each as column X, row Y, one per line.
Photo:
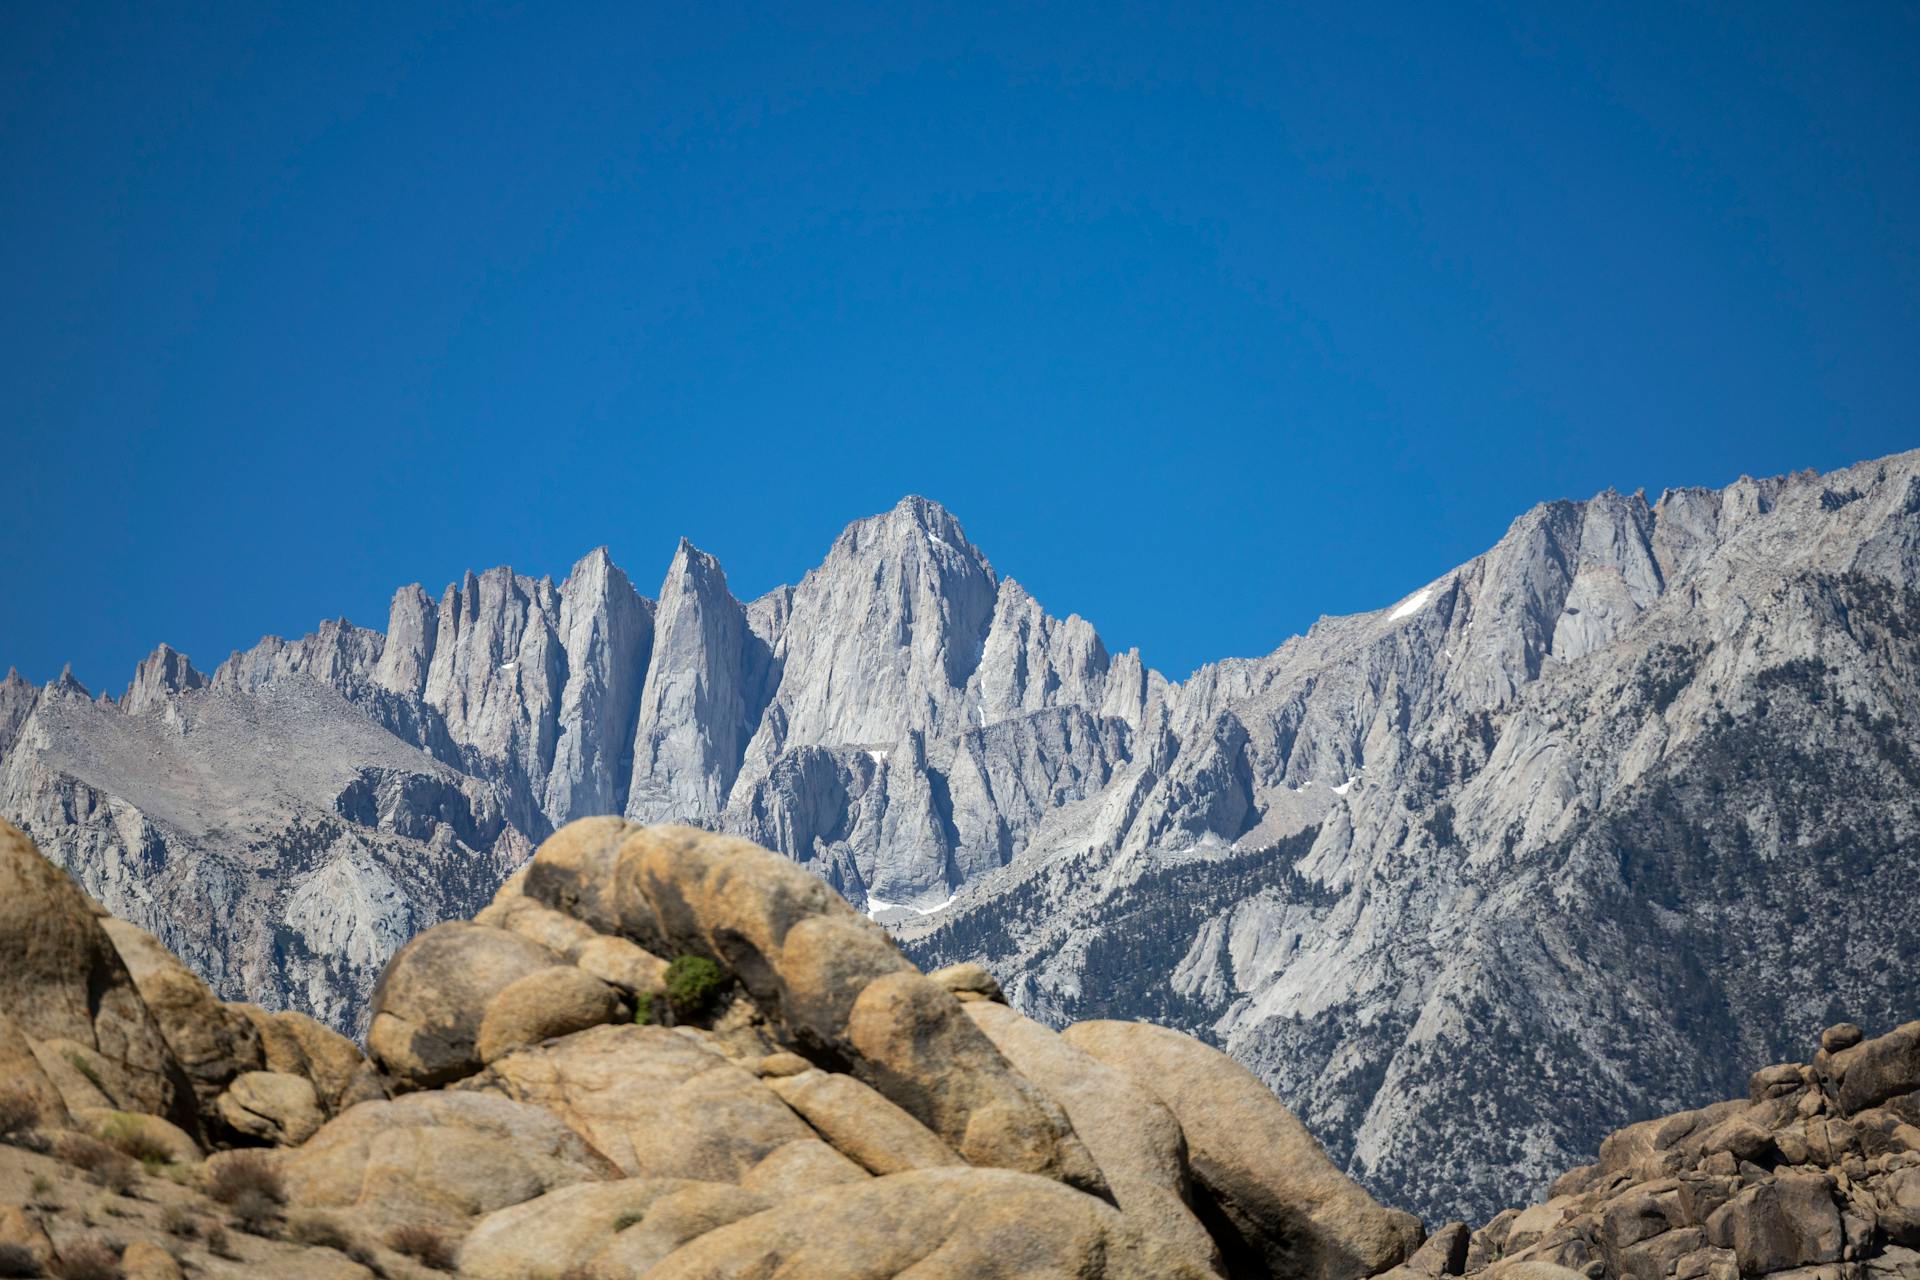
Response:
column 255, row 1212
column 247, row 1171
column 100, row 1162
column 319, row 1231
column 424, row 1245
column 19, row 1113
column 87, row 1260
column 127, row 1136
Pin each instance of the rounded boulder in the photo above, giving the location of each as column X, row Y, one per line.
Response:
column 551, row 1002
column 429, row 1004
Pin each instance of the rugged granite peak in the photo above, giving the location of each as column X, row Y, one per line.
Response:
column 495, row 678
column 17, row 698
column 413, row 626
column 606, row 632
column 882, row 638
column 165, row 671
column 1500, row 834
column 702, row 697
column 1031, row 661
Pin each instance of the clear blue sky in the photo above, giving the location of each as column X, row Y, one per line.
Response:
column 1204, row 321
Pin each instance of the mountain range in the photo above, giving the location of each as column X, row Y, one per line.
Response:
column 1463, row 878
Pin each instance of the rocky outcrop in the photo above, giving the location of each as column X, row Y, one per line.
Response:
column 1800, row 1177
column 98, row 1020
column 70, row 999
column 823, row 1110
column 768, row 1131
column 1291, row 1211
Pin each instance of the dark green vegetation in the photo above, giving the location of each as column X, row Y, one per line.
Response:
column 694, row 985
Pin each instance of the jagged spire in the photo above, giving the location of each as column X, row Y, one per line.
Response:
column 164, row 672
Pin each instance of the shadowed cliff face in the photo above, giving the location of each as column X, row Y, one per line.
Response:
column 1587, row 806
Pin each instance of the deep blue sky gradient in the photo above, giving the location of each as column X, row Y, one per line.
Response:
column 1204, row 321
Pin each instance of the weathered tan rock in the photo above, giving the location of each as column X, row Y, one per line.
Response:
column 62, row 980
column 861, row 1124
column 824, row 963
column 560, row 1230
column 1776, row 1081
column 340, row 1073
column 150, row 1131
column 918, row 1047
column 1841, row 1035
column 1444, row 1253
column 623, row 964
column 1268, row 1175
column 1896, row 1263
column 272, row 1106
column 1790, row 1221
column 21, row 1231
column 537, row 922
column 800, row 1166
column 1131, row 1134
column 779, row 1064
column 212, row 1043
column 438, row 1158
column 547, row 1003
column 835, row 982
column 1658, row 1147
column 573, row 871
column 969, row 981
column 1537, row 1220
column 22, row 1071
column 145, row 1260
column 736, row 903
column 1872, row 1071
column 933, row 1224
column 1898, row 1205
column 655, row 1100
column 687, row 1213
column 1531, row 1269
column 429, row 1003
column 85, row 1078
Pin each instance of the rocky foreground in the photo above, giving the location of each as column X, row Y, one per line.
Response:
column 663, row 1052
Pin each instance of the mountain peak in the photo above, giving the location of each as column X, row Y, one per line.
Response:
column 164, row 671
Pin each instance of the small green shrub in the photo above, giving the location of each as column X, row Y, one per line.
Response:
column 41, row 1189
column 643, row 1009
column 175, row 1220
column 694, row 985
column 626, row 1220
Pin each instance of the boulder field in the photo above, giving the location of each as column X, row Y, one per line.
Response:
column 668, row 1053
